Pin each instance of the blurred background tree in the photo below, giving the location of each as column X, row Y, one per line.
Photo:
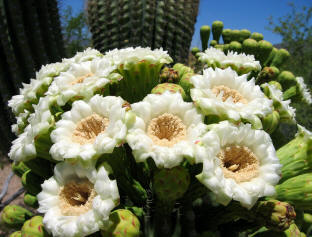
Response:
column 75, row 31
column 295, row 28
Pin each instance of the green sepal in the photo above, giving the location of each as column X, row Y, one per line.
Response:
column 19, row 168
column 280, row 57
column 31, row 200
column 270, row 122
column 186, row 84
column 32, row 182
column 14, row 216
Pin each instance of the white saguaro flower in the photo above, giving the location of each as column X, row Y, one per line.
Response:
column 33, row 141
column 241, row 63
column 89, row 129
column 305, row 93
column 286, row 112
column 239, row 163
column 133, row 55
column 88, row 54
column 77, row 201
column 229, row 96
column 165, row 129
column 82, row 80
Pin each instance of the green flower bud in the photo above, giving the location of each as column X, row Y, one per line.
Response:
column 171, row 184
column 32, row 182
column 280, row 57
column 222, row 46
column 287, row 79
column 182, row 69
column 297, row 191
column 234, row 35
column 30, row 200
column 122, row 223
column 271, row 56
column 217, row 27
column 34, row 228
column 213, row 43
column 161, row 88
column 195, row 50
column 296, row 156
column 204, row 36
column 274, row 214
column 292, row 231
column 276, row 84
column 14, row 216
column 243, row 34
column 257, row 36
column 264, row 50
column 226, row 34
column 16, row 234
column 169, row 75
column 250, row 46
column 267, row 74
column 19, row 168
column 235, row 46
column 186, row 84
column 270, row 122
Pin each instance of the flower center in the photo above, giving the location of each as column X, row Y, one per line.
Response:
column 88, row 128
column 166, row 130
column 76, row 197
column 228, row 92
column 82, row 78
column 239, row 163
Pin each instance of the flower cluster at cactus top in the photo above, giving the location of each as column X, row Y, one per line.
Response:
column 102, row 120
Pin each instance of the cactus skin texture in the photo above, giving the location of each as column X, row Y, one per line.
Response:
column 123, row 223
column 16, row 234
column 31, row 182
column 34, row 228
column 297, row 191
column 296, row 156
column 204, row 36
column 14, row 216
column 171, row 184
column 169, row 75
column 173, row 88
column 217, row 27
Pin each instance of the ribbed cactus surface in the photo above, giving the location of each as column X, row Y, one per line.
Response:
column 30, row 36
column 147, row 23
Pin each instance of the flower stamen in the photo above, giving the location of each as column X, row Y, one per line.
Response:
column 228, row 92
column 166, row 130
column 239, row 163
column 82, row 78
column 76, row 197
column 89, row 128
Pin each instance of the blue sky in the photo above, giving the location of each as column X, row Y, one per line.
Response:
column 235, row 14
